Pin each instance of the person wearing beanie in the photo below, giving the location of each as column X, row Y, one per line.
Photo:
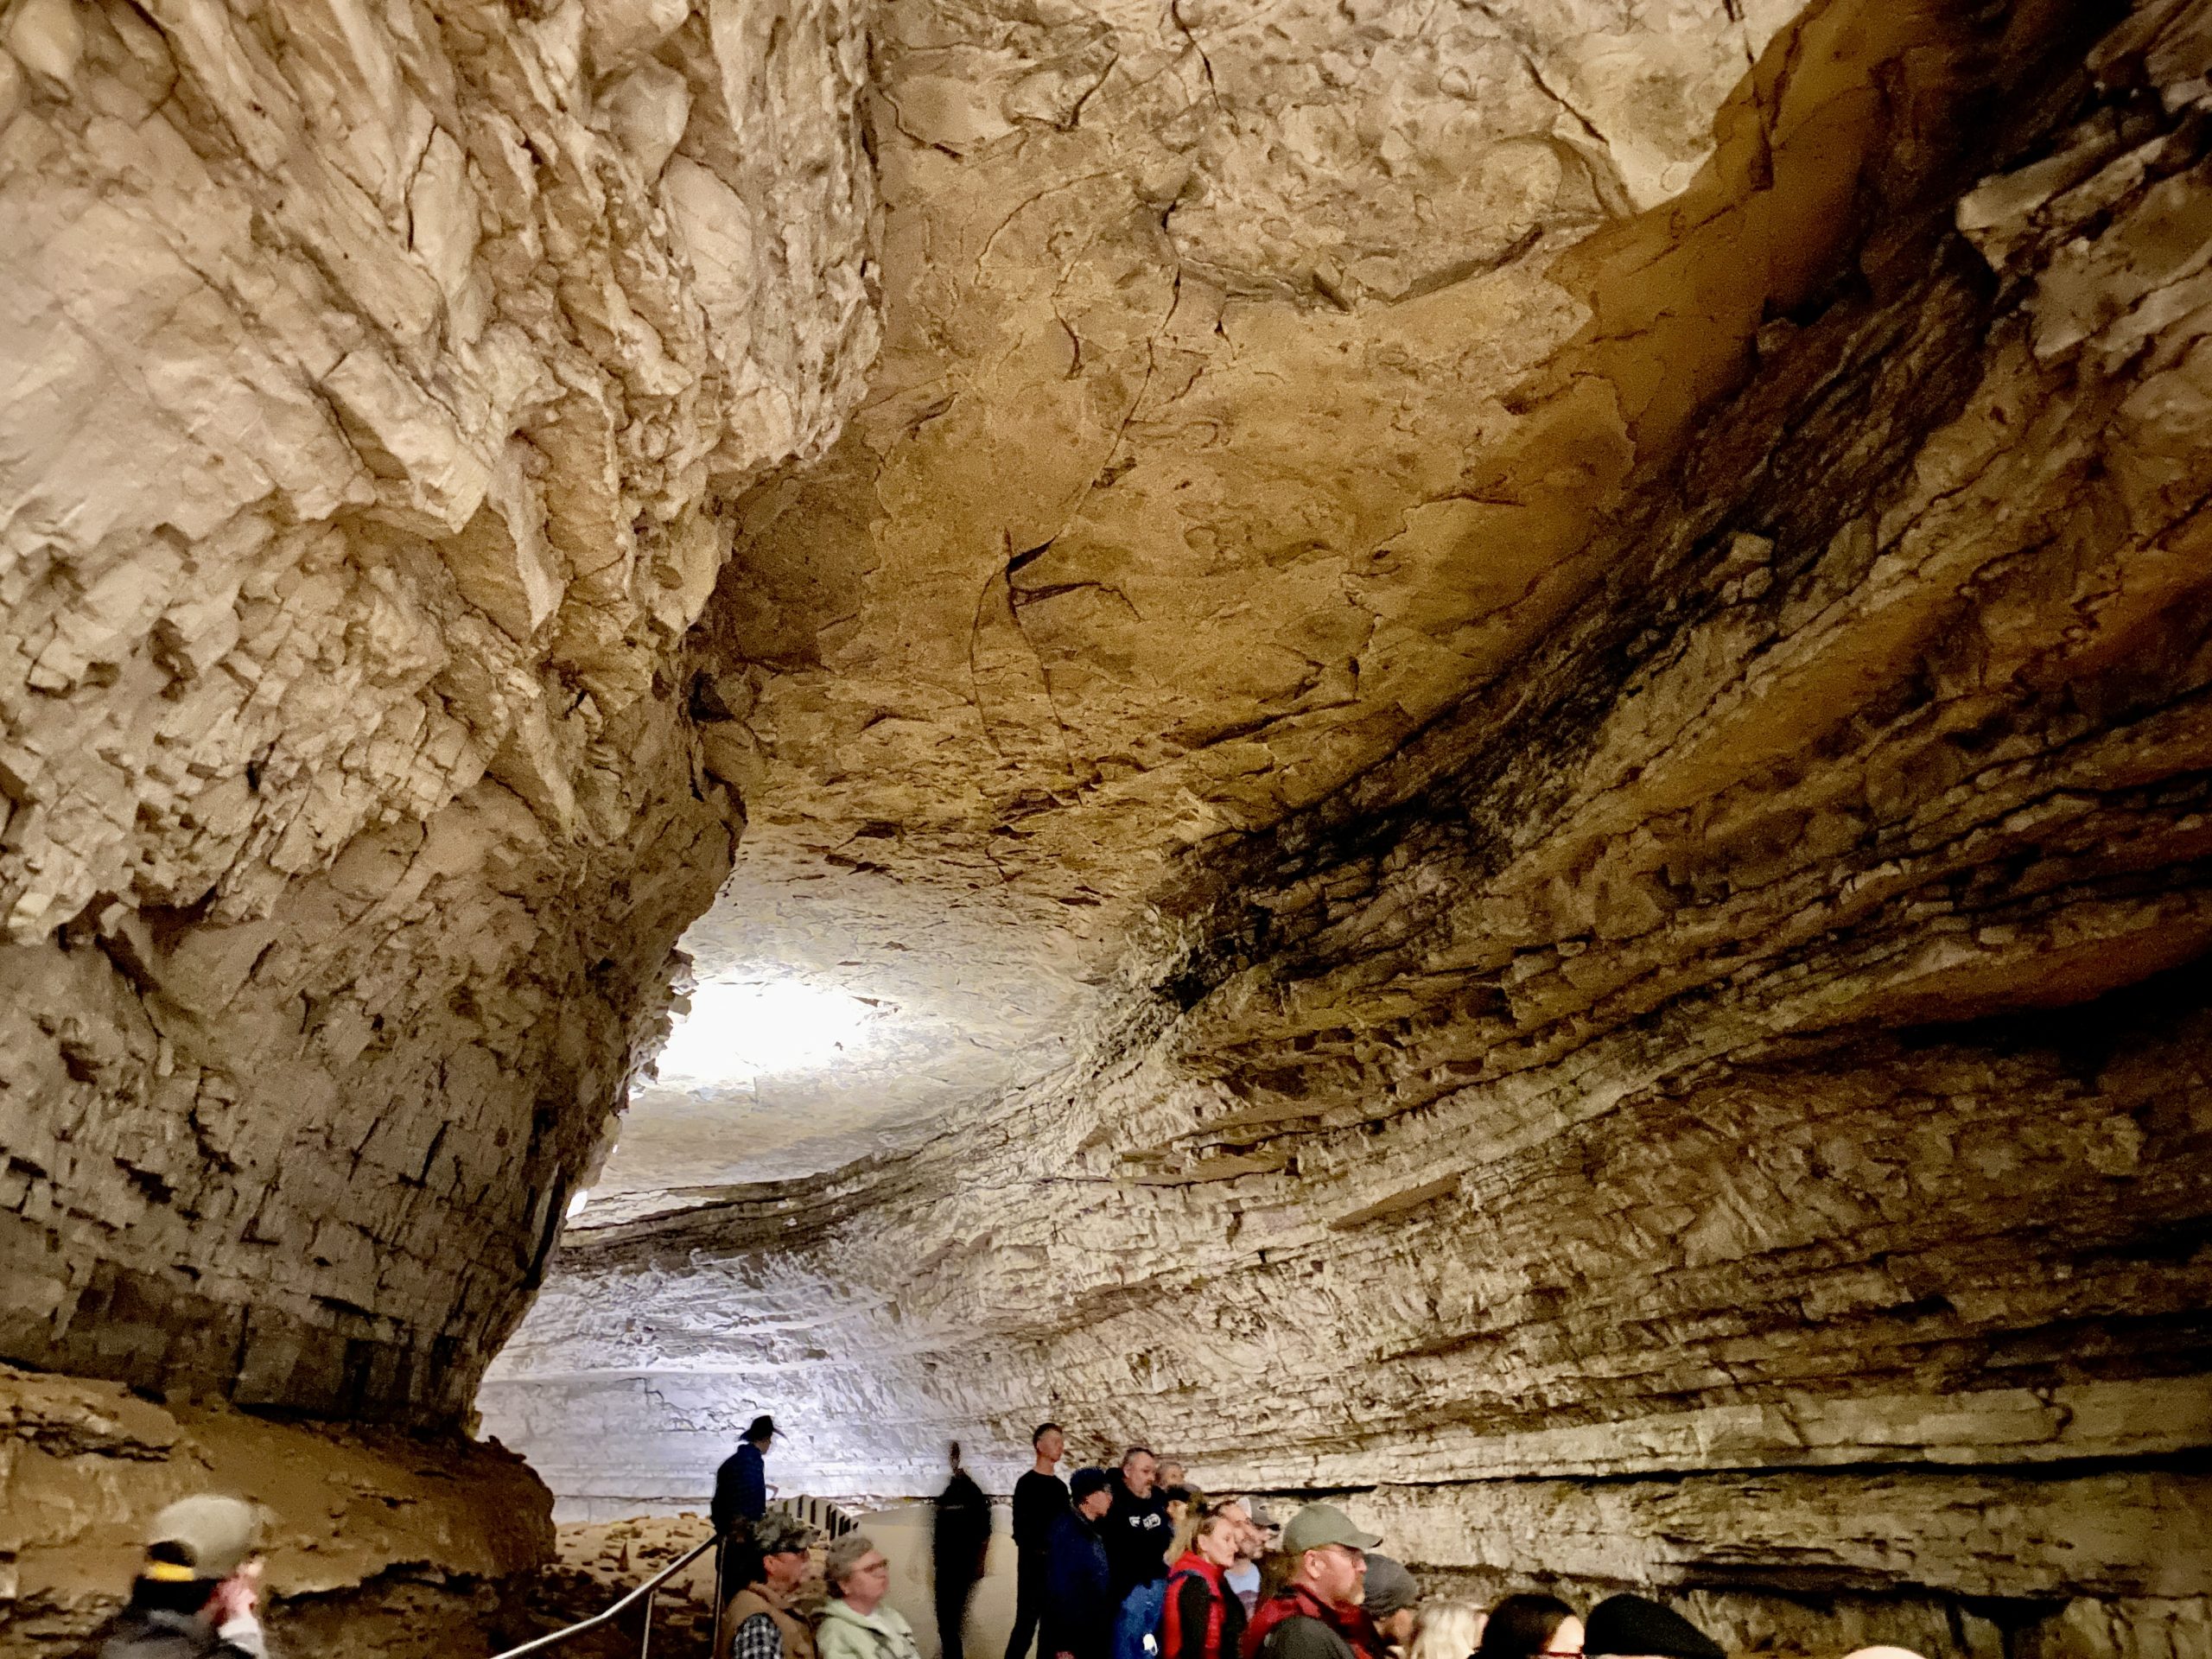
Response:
column 1389, row 1599
column 195, row 1592
column 1635, row 1627
column 1077, row 1620
column 1316, row 1615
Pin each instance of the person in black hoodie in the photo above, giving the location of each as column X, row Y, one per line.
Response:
column 1637, row 1627
column 1137, row 1530
column 958, row 1540
column 1040, row 1498
column 1079, row 1605
column 194, row 1594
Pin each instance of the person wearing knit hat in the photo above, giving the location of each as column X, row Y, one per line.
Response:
column 1076, row 1621
column 1635, row 1627
column 195, row 1592
column 1390, row 1597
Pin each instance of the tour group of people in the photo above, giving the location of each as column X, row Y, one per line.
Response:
column 1131, row 1563
column 1137, row 1562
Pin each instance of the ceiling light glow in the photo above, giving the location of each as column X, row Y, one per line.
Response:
column 753, row 1028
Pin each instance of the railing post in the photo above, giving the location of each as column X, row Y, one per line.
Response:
column 716, row 1651
column 645, row 1638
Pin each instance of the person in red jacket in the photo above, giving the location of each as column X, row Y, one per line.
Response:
column 1316, row 1615
column 1203, row 1619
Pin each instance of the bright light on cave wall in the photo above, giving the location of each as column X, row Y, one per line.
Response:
column 739, row 1029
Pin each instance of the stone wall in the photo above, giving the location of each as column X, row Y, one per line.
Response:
column 374, row 376
column 377, row 1542
column 1725, row 1107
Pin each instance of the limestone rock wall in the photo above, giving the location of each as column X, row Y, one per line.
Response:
column 377, row 1542
column 373, row 373
column 1724, row 1108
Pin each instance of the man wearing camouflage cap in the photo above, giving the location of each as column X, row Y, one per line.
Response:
column 761, row 1622
column 194, row 1594
column 1316, row 1615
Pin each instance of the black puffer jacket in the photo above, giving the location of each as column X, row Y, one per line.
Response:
column 162, row 1635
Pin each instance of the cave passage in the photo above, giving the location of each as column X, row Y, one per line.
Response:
column 1458, row 757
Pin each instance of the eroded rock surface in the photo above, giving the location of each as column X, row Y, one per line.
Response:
column 1201, row 327
column 374, row 376
column 1501, row 706
column 377, row 1542
column 1723, row 1105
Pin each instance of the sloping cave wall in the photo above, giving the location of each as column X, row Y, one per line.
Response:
column 372, row 373
column 1726, row 1107
column 372, row 378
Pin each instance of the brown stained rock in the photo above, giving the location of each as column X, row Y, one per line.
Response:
column 1509, row 699
column 1256, row 388
column 448, row 1529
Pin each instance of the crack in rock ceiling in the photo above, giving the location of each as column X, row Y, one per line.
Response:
column 1180, row 493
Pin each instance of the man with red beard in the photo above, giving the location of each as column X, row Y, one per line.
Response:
column 1316, row 1615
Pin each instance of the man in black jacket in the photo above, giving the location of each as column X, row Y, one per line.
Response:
column 1137, row 1530
column 1040, row 1498
column 194, row 1594
column 958, row 1540
column 741, row 1484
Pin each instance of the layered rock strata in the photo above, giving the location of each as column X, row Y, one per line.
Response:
column 1724, row 1107
column 1189, row 312
column 378, row 1542
column 374, row 376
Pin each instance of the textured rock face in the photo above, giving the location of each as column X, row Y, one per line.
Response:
column 373, row 376
column 1155, row 524
column 1506, row 701
column 375, row 1543
column 1723, row 1107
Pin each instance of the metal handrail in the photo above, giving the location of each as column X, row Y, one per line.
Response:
column 644, row 1589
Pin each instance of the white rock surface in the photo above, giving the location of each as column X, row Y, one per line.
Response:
column 373, row 374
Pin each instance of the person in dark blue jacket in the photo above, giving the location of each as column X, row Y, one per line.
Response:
column 741, row 1484
column 1078, row 1612
column 741, row 1499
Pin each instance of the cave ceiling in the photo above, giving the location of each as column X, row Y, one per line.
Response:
column 1208, row 454
column 1454, row 753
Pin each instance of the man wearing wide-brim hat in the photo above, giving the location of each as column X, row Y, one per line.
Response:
column 1316, row 1615
column 194, row 1594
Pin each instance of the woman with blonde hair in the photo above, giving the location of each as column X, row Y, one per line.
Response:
column 1447, row 1630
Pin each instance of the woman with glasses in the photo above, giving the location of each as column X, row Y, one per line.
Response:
column 1531, row 1627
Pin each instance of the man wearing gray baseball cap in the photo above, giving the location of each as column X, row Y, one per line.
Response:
column 1316, row 1615
column 194, row 1594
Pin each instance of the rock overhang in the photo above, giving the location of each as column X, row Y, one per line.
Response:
column 1561, row 735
